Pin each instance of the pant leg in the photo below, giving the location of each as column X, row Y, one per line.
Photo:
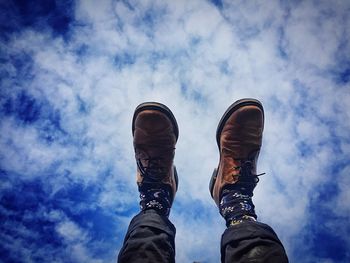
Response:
column 251, row 242
column 150, row 238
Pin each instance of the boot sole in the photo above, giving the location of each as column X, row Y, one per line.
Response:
column 235, row 106
column 159, row 107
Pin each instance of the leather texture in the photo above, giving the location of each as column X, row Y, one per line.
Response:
column 154, row 138
column 239, row 140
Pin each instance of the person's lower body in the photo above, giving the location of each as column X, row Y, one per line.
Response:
column 151, row 238
column 151, row 235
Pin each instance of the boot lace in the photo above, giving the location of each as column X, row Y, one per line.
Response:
column 154, row 169
column 246, row 176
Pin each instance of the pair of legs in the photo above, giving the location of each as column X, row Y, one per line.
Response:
column 150, row 237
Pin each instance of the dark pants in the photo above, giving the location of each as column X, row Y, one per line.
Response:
column 150, row 238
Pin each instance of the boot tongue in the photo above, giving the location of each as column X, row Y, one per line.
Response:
column 235, row 169
column 155, row 163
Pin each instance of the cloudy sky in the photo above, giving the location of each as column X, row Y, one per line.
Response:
column 72, row 74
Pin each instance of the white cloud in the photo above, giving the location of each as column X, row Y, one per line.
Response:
column 71, row 232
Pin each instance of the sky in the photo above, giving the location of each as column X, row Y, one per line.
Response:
column 72, row 73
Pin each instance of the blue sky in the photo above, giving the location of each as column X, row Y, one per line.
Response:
column 72, row 72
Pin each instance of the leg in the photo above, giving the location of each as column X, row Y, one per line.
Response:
column 150, row 237
column 251, row 242
column 239, row 138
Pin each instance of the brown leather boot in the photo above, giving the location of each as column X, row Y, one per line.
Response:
column 239, row 137
column 155, row 133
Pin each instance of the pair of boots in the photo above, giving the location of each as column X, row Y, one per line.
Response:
column 239, row 136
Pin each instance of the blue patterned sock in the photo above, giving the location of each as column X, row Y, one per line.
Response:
column 236, row 205
column 155, row 196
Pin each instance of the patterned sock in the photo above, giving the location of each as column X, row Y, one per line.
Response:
column 155, row 196
column 236, row 205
